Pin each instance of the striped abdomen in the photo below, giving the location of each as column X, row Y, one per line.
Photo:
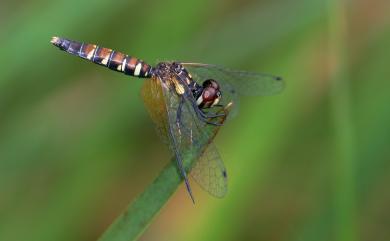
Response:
column 112, row 59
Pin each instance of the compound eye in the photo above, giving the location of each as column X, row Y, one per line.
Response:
column 209, row 94
column 211, row 83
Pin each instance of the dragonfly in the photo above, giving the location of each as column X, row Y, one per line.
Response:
column 188, row 103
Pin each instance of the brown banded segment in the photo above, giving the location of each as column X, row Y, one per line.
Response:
column 145, row 70
column 130, row 65
column 102, row 55
column 116, row 61
column 87, row 51
column 105, row 56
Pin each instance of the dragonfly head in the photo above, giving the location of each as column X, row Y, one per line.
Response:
column 211, row 94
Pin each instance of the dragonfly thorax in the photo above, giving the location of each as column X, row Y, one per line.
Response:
column 174, row 74
column 163, row 71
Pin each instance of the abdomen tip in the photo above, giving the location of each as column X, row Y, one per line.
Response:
column 55, row 40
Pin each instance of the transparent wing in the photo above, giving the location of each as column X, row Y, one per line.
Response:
column 241, row 82
column 208, row 170
column 195, row 146
column 234, row 83
column 154, row 101
column 190, row 139
column 210, row 173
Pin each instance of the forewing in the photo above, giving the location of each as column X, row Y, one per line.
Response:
column 200, row 73
column 241, row 82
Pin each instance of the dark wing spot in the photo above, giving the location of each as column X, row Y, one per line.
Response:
column 278, row 78
column 224, row 174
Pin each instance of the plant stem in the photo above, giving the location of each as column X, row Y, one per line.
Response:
column 139, row 214
column 131, row 224
column 344, row 158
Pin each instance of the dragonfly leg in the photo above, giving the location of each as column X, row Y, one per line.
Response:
column 205, row 118
column 219, row 106
column 205, row 115
column 215, row 109
column 202, row 116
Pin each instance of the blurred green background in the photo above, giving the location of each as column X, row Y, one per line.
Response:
column 77, row 145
